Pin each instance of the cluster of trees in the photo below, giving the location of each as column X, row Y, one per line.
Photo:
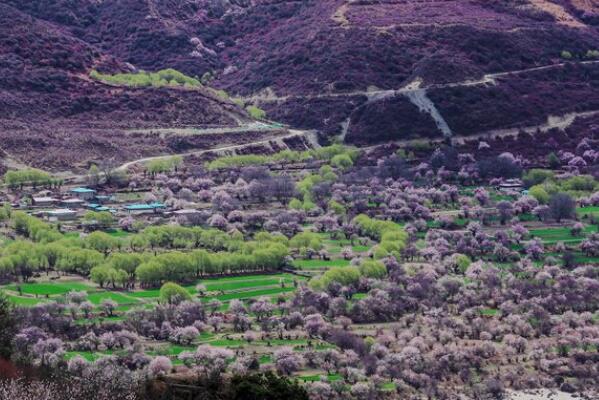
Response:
column 574, row 186
column 31, row 176
column 338, row 155
column 392, row 238
column 350, row 276
column 165, row 164
column 102, row 256
column 186, row 267
column 165, row 77
column 24, row 259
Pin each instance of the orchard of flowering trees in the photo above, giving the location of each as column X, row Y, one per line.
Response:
column 336, row 274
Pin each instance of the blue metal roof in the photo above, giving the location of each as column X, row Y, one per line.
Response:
column 83, row 190
column 151, row 206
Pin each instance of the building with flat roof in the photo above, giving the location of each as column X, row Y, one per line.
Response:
column 511, row 185
column 104, row 198
column 61, row 214
column 83, row 193
column 155, row 207
column 43, row 201
column 186, row 211
column 72, row 203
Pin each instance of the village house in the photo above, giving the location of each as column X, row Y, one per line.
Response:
column 511, row 185
column 103, row 199
column 72, row 203
column 99, row 208
column 151, row 208
column 186, row 212
column 83, row 193
column 43, row 201
column 61, row 214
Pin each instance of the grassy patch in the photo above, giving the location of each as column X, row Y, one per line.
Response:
column 118, row 233
column 49, row 288
column 251, row 293
column 489, row 312
column 24, row 301
column 119, row 298
column 320, row 264
column 562, row 234
column 317, row 377
column 236, row 285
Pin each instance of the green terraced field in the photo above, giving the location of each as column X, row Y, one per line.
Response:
column 317, row 377
column 581, row 211
column 24, row 301
column 119, row 298
column 251, row 293
column 118, row 233
column 49, row 288
column 229, row 284
column 553, row 235
column 320, row 264
column 235, row 285
column 360, row 248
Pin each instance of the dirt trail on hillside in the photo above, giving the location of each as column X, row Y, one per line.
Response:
column 417, row 94
column 560, row 122
column 191, row 131
column 373, row 95
column 229, row 149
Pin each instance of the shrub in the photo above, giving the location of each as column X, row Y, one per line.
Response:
column 373, row 269
column 539, row 193
column 256, row 112
column 165, row 77
column 171, row 293
column 537, row 176
column 566, row 55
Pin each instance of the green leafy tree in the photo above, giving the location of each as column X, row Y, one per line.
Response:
column 539, row 193
column 373, row 269
column 171, row 293
column 342, row 161
column 93, row 176
column 266, row 386
column 256, row 112
column 101, row 242
column 127, row 262
column 102, row 219
column 102, row 275
column 8, row 326
column 150, row 273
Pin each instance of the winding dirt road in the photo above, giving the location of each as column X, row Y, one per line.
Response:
column 373, row 95
column 416, row 93
column 224, row 149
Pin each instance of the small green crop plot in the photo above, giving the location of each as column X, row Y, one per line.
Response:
column 588, row 211
column 119, row 298
column 252, row 293
column 320, row 264
column 49, row 288
column 235, row 285
column 563, row 234
column 24, row 301
column 318, row 377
